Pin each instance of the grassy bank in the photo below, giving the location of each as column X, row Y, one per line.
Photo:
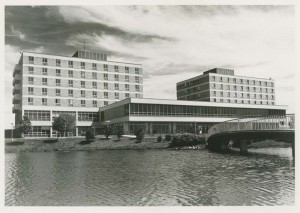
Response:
column 77, row 144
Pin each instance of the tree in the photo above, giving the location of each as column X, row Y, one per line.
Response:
column 64, row 123
column 139, row 133
column 120, row 131
column 89, row 135
column 107, row 132
column 25, row 125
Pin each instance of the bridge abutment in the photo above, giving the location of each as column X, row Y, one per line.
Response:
column 243, row 146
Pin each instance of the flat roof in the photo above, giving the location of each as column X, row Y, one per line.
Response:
column 189, row 103
column 80, row 59
column 229, row 76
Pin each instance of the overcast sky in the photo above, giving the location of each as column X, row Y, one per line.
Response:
column 172, row 42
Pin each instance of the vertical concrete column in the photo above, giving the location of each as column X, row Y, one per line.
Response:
column 51, row 132
column 125, row 125
column 76, row 131
column 150, row 128
column 170, row 128
column 243, row 146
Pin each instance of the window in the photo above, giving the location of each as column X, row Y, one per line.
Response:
column 228, row 94
column 105, row 85
column 82, row 92
column 105, row 94
column 44, row 101
column 242, row 95
column 94, row 94
column 127, row 78
column 94, row 103
column 213, row 85
column 247, row 88
column 241, row 81
column 248, row 95
column 94, row 85
column 70, row 64
column 214, row 94
column 116, row 68
column 242, row 88
column 31, row 60
column 105, row 76
column 254, row 89
column 248, row 82
column 57, row 102
column 94, row 75
column 214, row 100
column 30, row 70
column 234, row 87
column 44, row 91
column 221, row 100
column 272, row 97
column 260, row 90
column 116, row 77
column 44, row 71
column 272, row 91
column 235, row 94
column 57, row 71
column 36, row 115
column 213, row 78
column 57, row 92
column 137, row 79
column 265, row 83
column 126, row 69
column 116, row 86
column 82, row 64
column 137, row 88
column 126, row 95
column 30, row 80
column 30, row 101
column 70, row 92
column 57, row 62
column 82, row 84
column 44, row 81
column 70, row 102
column 105, row 67
column 116, row 95
column 88, row 116
column 70, row 73
column 94, row 66
column 30, row 90
column 221, row 93
column 271, row 84
column 259, row 83
column 45, row 61
column 254, row 95
column 221, row 79
column 137, row 71
column 260, row 96
column 127, row 87
column 82, row 103
column 82, row 74
column 234, row 80
column 57, row 82
column 105, row 103
column 70, row 83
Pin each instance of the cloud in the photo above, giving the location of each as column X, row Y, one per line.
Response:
column 171, row 42
column 17, row 33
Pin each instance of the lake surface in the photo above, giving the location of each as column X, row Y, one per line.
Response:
column 150, row 178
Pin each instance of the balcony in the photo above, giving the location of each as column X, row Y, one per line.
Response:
column 16, row 81
column 16, row 72
column 16, row 91
column 16, row 99
column 16, row 108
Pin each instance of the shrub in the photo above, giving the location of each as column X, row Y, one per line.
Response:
column 89, row 135
column 120, row 132
column 107, row 132
column 168, row 137
column 159, row 138
column 187, row 139
column 139, row 133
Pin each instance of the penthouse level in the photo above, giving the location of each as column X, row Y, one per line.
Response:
column 174, row 116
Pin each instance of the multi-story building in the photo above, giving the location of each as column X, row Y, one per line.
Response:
column 46, row 86
column 158, row 116
column 221, row 85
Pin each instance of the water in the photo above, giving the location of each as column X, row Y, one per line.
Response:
column 150, row 178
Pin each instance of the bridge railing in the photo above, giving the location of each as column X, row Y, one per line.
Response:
column 275, row 122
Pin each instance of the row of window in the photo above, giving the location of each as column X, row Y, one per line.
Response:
column 242, row 95
column 242, row 88
column 82, row 74
column 83, row 65
column 243, row 81
column 41, row 115
column 82, row 84
column 83, row 92
column 243, row 101
column 82, row 102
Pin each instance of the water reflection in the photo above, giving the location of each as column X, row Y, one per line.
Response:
column 152, row 177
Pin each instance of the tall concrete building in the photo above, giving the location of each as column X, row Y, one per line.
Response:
column 221, row 85
column 46, row 86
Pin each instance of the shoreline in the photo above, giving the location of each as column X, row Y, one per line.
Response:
column 100, row 143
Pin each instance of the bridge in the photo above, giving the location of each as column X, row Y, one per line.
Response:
column 242, row 132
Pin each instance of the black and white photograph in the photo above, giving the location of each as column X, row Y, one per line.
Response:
column 141, row 105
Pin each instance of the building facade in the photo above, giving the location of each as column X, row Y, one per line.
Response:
column 222, row 86
column 46, row 86
column 158, row 116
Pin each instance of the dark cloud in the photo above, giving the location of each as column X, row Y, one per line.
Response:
column 44, row 26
